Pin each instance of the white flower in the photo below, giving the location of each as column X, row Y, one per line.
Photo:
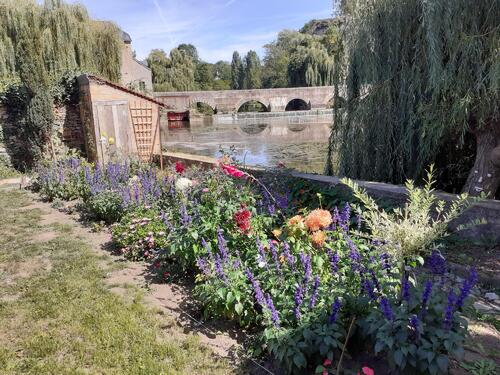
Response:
column 183, row 183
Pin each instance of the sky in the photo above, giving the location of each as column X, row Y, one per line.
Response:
column 215, row 27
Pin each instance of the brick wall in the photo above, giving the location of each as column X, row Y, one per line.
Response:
column 68, row 127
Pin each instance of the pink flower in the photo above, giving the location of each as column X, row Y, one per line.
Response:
column 179, row 167
column 205, row 190
column 367, row 371
column 325, row 372
column 232, row 171
column 327, row 362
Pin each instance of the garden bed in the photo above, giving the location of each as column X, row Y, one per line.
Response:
column 314, row 286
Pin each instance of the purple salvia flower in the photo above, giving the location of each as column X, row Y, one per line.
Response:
column 315, row 292
column 375, row 280
column 203, row 266
column 334, row 261
column 259, row 296
column 344, row 217
column 306, row 263
column 185, row 218
column 206, row 246
column 368, row 288
column 414, row 324
column 136, row 194
column 466, row 288
column 385, row 306
column 274, row 314
column 335, row 310
column 221, row 243
column 385, row 260
column 298, row 297
column 219, row 269
column 288, row 256
column 274, row 254
column 450, row 309
column 436, row 263
column 426, row 293
column 405, row 290
column 271, row 209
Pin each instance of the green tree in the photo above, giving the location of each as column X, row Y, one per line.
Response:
column 421, row 77
column 253, row 71
column 173, row 73
column 276, row 60
column 39, row 45
column 237, row 72
column 159, row 63
column 204, row 76
column 189, row 50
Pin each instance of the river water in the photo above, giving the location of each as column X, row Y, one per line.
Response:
column 297, row 140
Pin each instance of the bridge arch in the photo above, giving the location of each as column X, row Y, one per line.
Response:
column 251, row 105
column 204, row 108
column 298, row 104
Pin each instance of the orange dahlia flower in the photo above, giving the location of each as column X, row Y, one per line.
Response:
column 318, row 238
column 318, row 219
column 296, row 220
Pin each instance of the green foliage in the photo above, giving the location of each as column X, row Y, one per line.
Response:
column 6, row 170
column 414, row 229
column 418, row 75
column 298, row 282
column 424, row 348
column 253, row 71
column 481, row 367
column 237, row 72
column 140, row 234
column 105, row 206
column 39, row 45
column 172, row 73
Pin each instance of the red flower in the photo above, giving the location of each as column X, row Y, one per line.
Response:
column 232, row 171
column 166, row 275
column 327, row 362
column 242, row 218
column 179, row 167
column 157, row 264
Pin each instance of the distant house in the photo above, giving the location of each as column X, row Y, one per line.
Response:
column 135, row 74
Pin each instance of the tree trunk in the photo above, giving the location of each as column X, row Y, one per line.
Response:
column 485, row 175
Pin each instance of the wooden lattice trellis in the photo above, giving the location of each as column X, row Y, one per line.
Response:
column 145, row 133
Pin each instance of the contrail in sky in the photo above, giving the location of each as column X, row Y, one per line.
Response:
column 164, row 20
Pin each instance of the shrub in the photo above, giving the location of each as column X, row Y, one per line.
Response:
column 141, row 234
column 105, row 206
column 410, row 231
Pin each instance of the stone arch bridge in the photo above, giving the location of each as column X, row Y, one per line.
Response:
column 229, row 101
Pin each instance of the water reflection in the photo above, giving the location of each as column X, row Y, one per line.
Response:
column 300, row 141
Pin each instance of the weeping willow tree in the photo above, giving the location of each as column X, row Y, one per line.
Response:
column 39, row 44
column 172, row 73
column 420, row 77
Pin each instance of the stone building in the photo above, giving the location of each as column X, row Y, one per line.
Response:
column 135, row 74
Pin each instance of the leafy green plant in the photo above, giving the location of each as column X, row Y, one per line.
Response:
column 141, row 233
column 414, row 229
column 481, row 367
column 106, row 206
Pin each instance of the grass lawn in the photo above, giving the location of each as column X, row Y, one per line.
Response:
column 57, row 316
